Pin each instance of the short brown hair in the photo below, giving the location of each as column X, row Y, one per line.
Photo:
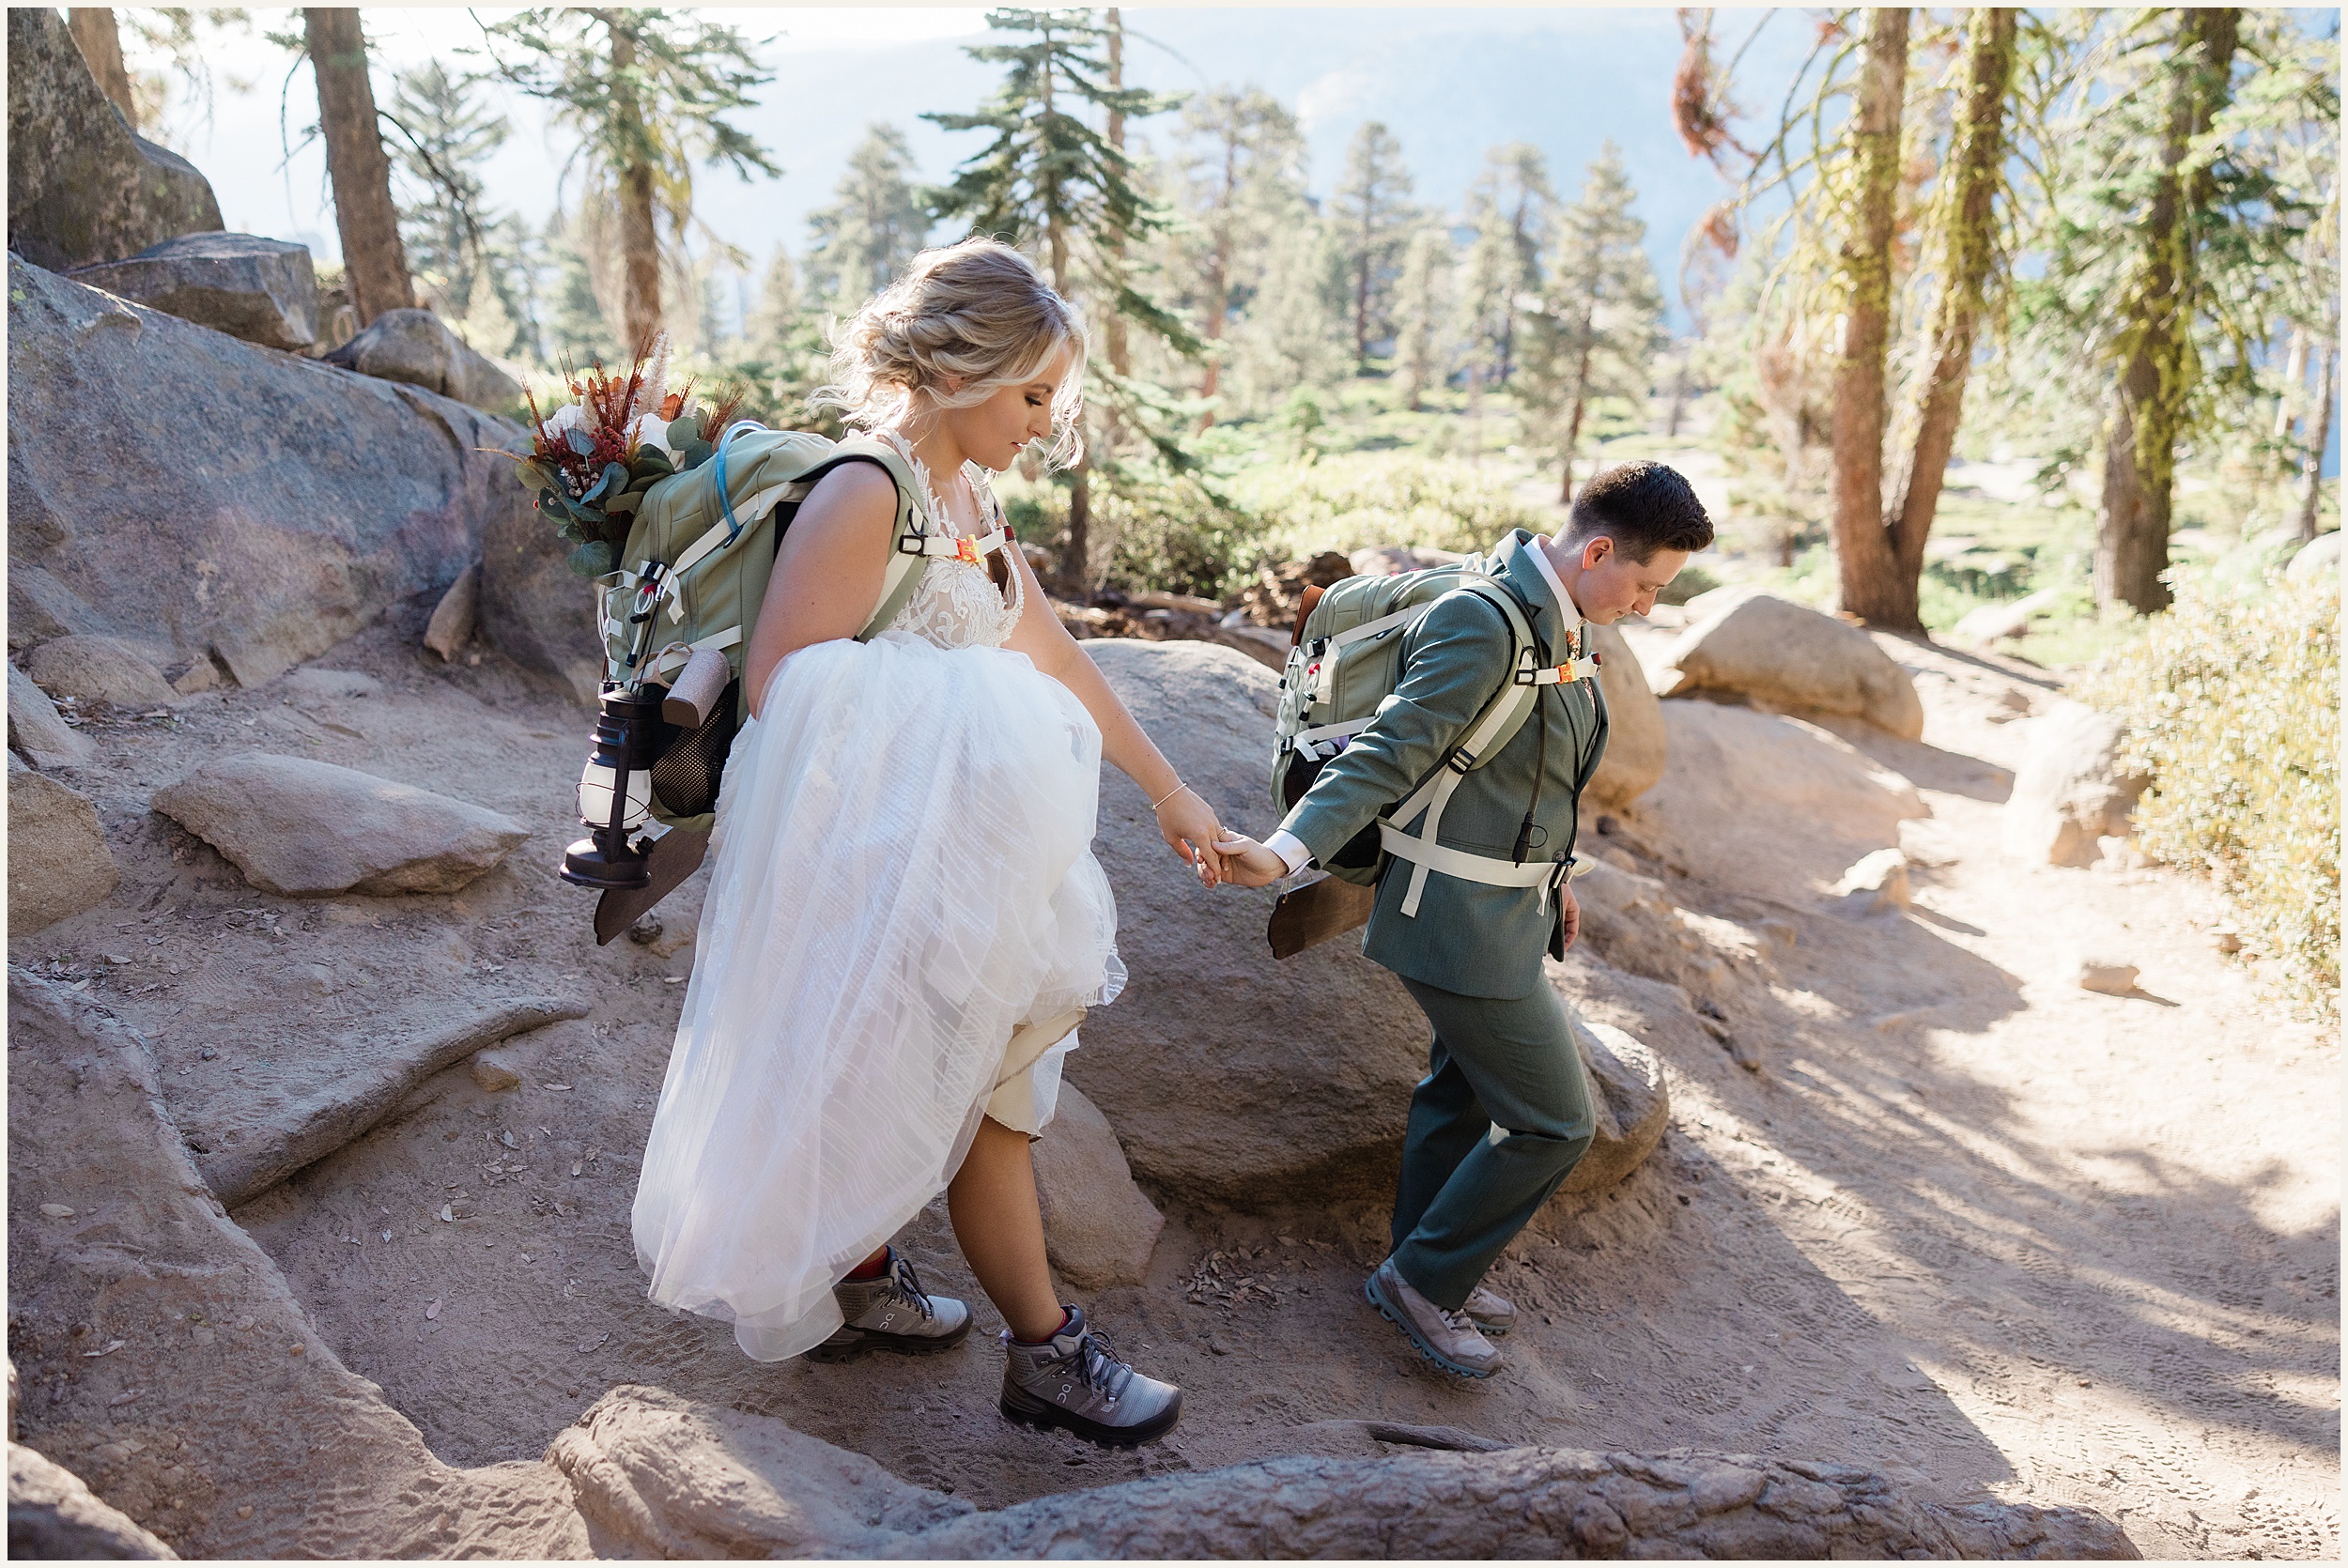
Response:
column 1643, row 507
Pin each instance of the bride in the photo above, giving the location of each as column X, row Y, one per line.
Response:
column 904, row 922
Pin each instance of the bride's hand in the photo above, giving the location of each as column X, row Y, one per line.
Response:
column 1191, row 830
column 1249, row 863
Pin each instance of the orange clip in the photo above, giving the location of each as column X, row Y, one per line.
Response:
column 967, row 550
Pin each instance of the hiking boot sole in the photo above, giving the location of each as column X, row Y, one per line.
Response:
column 1028, row 1410
column 1393, row 1315
column 868, row 1341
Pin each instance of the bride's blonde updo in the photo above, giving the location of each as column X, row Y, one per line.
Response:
column 978, row 312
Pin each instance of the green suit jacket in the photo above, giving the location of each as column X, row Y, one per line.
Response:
column 1467, row 937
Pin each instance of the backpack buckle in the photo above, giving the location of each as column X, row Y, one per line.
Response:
column 912, row 544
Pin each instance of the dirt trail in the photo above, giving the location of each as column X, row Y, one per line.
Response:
column 1969, row 1224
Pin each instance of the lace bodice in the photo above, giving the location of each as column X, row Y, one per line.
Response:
column 956, row 604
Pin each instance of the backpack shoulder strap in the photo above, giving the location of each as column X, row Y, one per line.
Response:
column 908, row 544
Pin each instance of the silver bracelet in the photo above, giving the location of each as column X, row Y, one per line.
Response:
column 1170, row 795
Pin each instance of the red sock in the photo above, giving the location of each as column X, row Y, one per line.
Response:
column 872, row 1271
column 1066, row 1317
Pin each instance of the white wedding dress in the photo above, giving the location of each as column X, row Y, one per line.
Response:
column 905, row 920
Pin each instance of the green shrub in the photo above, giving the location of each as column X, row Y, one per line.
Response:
column 1692, row 580
column 1362, row 498
column 2232, row 700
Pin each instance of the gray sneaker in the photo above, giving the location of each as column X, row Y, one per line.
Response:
column 892, row 1312
column 1448, row 1339
column 1491, row 1312
column 1074, row 1381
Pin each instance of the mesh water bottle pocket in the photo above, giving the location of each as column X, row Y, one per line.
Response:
column 692, row 763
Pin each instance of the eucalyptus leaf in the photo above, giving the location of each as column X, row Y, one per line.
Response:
column 593, row 559
column 696, row 454
column 625, row 504
column 580, row 442
column 685, row 432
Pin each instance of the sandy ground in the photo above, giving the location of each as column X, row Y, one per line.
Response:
column 1969, row 1224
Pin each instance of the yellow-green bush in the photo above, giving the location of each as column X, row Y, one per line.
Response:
column 2232, row 700
column 1349, row 501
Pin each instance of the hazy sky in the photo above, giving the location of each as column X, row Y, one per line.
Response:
column 1451, row 83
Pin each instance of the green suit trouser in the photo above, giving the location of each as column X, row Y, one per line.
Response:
column 1500, row 1118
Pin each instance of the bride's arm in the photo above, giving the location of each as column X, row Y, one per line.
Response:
column 828, row 573
column 1185, row 818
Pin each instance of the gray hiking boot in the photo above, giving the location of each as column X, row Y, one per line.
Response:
column 1489, row 1311
column 892, row 1312
column 1448, row 1339
column 1074, row 1381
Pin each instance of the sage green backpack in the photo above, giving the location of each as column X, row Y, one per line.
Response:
column 694, row 573
column 1346, row 661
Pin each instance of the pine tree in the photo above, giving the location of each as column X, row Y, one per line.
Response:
column 876, row 225
column 443, row 135
column 364, row 215
column 1049, row 180
column 1242, row 182
column 577, row 331
column 1514, row 211
column 1604, row 309
column 1373, row 211
column 1423, row 309
column 774, row 319
column 646, row 91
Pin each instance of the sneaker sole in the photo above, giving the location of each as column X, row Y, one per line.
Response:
column 1027, row 1410
column 1395, row 1316
column 868, row 1341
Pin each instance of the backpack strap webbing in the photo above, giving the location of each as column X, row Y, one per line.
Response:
column 1491, row 730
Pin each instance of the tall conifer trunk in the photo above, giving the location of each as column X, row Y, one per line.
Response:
column 1862, row 548
column 100, row 42
column 374, row 260
column 2322, row 435
column 639, row 233
column 2140, row 450
column 1968, row 250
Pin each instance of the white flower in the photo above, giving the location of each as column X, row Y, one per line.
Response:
column 565, row 418
column 651, row 430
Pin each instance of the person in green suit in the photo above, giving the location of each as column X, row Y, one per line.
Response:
column 1505, row 1108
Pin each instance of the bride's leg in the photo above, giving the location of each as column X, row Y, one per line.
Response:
column 1000, row 1226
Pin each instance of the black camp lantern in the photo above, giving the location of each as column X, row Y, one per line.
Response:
column 615, row 792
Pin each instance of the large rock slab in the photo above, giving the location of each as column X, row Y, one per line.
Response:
column 658, row 1476
column 100, row 670
column 35, row 728
column 1782, row 656
column 307, row 829
column 264, row 291
column 256, row 524
column 58, row 862
column 534, row 610
column 1231, row 1076
column 290, row 1102
column 1636, row 746
column 1632, row 1102
column 416, row 347
column 2316, row 559
column 81, row 188
column 1098, row 1229
column 1826, row 802
column 216, row 1417
column 54, row 1517
column 2070, row 790
column 655, row 1475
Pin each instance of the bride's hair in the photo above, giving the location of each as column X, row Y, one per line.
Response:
column 978, row 312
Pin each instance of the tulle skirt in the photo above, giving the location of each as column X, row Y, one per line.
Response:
column 902, row 879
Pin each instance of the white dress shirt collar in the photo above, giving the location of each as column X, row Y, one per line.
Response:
column 1568, row 613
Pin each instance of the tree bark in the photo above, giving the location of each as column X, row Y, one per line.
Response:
column 1580, row 399
column 374, row 261
column 2322, row 438
column 1219, row 275
column 640, row 233
column 1862, row 548
column 100, row 42
column 2140, row 452
column 1968, row 250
